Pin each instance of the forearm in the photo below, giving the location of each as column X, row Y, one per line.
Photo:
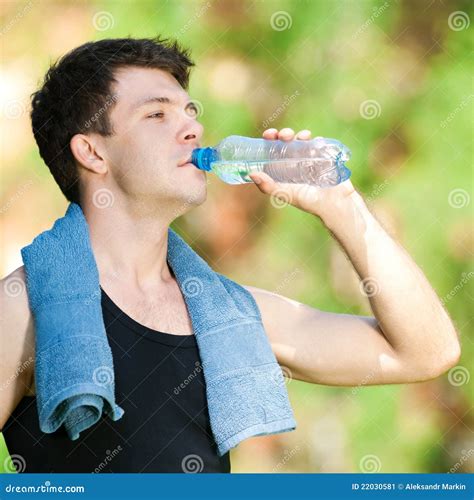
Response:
column 405, row 305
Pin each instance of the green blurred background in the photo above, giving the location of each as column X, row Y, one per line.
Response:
column 389, row 79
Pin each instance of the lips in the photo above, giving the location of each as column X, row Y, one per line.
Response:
column 186, row 161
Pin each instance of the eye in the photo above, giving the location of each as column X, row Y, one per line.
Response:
column 158, row 114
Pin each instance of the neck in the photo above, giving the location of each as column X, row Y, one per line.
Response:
column 130, row 244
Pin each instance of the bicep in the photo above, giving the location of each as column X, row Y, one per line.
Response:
column 328, row 348
column 16, row 344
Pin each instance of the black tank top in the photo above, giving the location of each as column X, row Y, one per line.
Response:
column 159, row 383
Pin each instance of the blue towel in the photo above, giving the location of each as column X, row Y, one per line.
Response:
column 74, row 371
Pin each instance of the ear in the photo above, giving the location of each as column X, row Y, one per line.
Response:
column 85, row 150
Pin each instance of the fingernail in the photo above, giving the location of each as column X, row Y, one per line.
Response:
column 257, row 180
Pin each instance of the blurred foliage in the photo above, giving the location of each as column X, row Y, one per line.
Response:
column 389, row 79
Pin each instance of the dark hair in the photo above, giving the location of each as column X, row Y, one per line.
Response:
column 76, row 96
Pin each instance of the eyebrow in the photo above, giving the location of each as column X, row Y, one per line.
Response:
column 156, row 99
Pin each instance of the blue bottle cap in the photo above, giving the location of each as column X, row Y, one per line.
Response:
column 203, row 157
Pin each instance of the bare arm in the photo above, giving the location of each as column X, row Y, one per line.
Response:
column 410, row 338
column 342, row 349
column 16, row 343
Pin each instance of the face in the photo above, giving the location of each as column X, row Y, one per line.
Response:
column 155, row 130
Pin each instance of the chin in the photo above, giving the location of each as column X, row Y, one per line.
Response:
column 191, row 198
column 197, row 195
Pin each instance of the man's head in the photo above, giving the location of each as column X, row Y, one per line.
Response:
column 115, row 114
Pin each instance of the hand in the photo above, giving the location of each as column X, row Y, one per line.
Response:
column 312, row 199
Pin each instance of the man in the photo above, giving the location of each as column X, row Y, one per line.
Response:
column 116, row 127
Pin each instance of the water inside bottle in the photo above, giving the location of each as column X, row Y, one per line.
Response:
column 318, row 172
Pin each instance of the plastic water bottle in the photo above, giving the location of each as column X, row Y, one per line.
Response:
column 318, row 162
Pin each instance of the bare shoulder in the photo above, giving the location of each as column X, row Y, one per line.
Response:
column 17, row 340
column 282, row 315
column 14, row 303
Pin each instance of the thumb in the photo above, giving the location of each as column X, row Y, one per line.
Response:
column 263, row 181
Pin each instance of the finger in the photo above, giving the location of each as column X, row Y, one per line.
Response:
column 263, row 181
column 270, row 133
column 303, row 135
column 286, row 134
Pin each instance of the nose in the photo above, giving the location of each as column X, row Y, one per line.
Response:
column 191, row 133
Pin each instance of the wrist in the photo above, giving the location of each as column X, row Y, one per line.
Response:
column 344, row 204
